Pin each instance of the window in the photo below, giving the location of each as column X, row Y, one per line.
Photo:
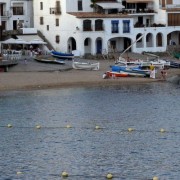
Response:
column 41, row 5
column 41, row 20
column 57, row 39
column 115, row 26
column 126, row 27
column 99, row 25
column 17, row 10
column 80, row 8
column 47, row 27
column 87, row 25
column 58, row 8
column 57, row 22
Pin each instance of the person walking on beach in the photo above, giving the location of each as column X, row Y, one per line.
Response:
column 164, row 73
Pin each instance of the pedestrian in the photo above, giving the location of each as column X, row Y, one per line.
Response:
column 152, row 72
column 25, row 61
column 163, row 73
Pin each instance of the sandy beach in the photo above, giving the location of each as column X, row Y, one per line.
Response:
column 35, row 75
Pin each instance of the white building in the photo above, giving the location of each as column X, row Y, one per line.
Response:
column 108, row 24
column 16, row 14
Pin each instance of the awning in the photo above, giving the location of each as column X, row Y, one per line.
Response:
column 139, row 1
column 32, row 39
column 14, row 41
column 111, row 5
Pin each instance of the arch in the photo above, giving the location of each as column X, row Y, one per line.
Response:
column 118, row 44
column 149, row 40
column 173, row 38
column 139, row 43
column 99, row 42
column 87, row 46
column 71, row 45
column 159, row 40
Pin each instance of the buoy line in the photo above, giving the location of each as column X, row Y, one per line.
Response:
column 96, row 128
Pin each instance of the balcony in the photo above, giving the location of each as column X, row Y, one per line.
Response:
column 12, row 32
column 5, row 15
column 55, row 11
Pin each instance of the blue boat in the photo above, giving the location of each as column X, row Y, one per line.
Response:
column 136, row 71
column 61, row 55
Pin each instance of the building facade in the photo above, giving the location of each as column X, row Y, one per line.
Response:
column 108, row 25
column 15, row 15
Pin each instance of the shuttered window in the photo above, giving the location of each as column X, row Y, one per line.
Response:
column 174, row 19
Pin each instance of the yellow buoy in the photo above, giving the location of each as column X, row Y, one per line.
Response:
column 130, row 129
column 9, row 126
column 97, row 127
column 38, row 127
column 155, row 178
column 109, row 176
column 162, row 130
column 64, row 174
column 68, row 126
column 19, row 172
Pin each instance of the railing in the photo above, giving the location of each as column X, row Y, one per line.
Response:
column 172, row 6
column 12, row 32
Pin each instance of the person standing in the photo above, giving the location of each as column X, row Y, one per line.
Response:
column 152, row 72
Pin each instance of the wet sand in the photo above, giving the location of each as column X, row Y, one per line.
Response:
column 27, row 76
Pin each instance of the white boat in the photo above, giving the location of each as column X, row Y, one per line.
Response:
column 85, row 65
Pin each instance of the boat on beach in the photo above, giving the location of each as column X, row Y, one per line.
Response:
column 116, row 74
column 132, row 71
column 61, row 55
column 54, row 61
column 85, row 65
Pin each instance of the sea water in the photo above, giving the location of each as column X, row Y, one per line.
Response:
column 98, row 141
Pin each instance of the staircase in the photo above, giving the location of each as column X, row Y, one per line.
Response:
column 49, row 45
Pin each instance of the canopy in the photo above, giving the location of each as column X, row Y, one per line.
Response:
column 37, row 41
column 9, row 41
column 111, row 5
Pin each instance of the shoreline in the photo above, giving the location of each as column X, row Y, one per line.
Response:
column 35, row 76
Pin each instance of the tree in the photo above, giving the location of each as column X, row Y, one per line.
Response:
column 93, row 4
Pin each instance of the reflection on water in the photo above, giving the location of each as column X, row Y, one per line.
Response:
column 83, row 151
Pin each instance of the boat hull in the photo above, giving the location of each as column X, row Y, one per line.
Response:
column 62, row 55
column 55, row 61
column 85, row 65
column 116, row 74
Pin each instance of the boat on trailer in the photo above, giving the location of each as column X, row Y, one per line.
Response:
column 61, row 55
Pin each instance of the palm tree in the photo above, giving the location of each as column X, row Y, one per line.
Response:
column 93, row 4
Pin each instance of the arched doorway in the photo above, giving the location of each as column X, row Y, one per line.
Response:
column 71, row 44
column 149, row 40
column 159, row 42
column 87, row 46
column 99, row 45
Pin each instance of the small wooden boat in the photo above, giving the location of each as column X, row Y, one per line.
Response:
column 116, row 74
column 54, row 61
column 61, row 55
column 85, row 65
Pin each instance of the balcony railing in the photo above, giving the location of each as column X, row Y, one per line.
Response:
column 12, row 32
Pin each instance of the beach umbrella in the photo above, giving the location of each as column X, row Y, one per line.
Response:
column 37, row 41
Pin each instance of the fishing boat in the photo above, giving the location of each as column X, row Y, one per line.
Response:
column 85, row 65
column 116, row 74
column 61, row 55
column 54, row 61
column 134, row 71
